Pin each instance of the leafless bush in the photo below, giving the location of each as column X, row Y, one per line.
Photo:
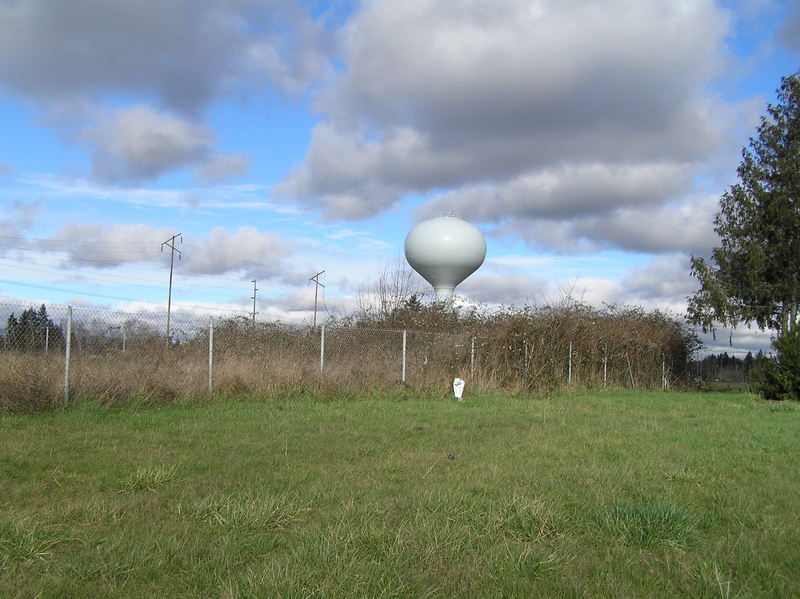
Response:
column 541, row 349
column 519, row 350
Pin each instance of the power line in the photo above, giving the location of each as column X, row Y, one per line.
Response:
column 105, row 278
column 108, row 277
column 109, row 280
column 274, row 300
column 46, row 288
column 130, row 265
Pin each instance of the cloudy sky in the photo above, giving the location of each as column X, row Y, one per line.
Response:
column 590, row 141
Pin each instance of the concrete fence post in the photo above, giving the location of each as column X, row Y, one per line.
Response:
column 569, row 373
column 472, row 360
column 67, row 355
column 210, row 353
column 403, row 366
column 321, row 352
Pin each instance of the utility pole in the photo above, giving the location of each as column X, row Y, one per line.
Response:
column 254, row 301
column 170, row 243
column 315, row 278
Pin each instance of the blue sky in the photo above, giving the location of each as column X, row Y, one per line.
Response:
column 589, row 141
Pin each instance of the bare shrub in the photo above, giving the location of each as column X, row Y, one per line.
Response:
column 528, row 350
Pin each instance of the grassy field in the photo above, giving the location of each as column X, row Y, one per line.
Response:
column 606, row 494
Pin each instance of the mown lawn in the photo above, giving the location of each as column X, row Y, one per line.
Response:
column 602, row 494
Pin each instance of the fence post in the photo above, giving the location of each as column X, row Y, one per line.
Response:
column 630, row 370
column 210, row 353
column 403, row 368
column 321, row 351
column 472, row 360
column 569, row 375
column 67, row 355
column 525, row 363
column 605, row 365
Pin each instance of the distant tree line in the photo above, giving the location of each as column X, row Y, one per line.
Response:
column 33, row 331
column 724, row 368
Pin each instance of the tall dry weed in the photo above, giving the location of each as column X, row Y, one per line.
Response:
column 530, row 350
column 30, row 383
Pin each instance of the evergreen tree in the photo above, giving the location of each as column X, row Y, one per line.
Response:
column 33, row 331
column 779, row 379
column 755, row 275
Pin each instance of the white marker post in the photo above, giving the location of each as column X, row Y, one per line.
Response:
column 458, row 388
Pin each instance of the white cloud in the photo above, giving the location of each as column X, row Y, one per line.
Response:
column 246, row 196
column 359, row 182
column 503, row 290
column 138, row 143
column 224, row 166
column 186, row 53
column 669, row 228
column 104, row 246
column 74, row 60
column 247, row 250
column 485, row 100
column 575, row 228
column 662, row 282
column 15, row 218
column 566, row 191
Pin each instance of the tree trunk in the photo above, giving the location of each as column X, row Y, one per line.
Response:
column 788, row 317
column 784, row 318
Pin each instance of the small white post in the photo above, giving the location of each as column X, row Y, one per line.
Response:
column 67, row 355
column 458, row 388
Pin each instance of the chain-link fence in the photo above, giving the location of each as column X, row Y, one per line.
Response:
column 115, row 356
column 57, row 353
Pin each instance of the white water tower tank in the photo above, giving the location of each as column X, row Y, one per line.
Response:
column 445, row 250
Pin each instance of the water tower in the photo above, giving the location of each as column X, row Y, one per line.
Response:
column 445, row 250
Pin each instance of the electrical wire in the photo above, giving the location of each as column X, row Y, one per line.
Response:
column 211, row 267
column 273, row 297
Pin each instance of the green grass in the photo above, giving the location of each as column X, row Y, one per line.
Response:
column 613, row 494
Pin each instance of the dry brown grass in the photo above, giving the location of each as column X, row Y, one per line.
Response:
column 518, row 351
column 30, row 383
